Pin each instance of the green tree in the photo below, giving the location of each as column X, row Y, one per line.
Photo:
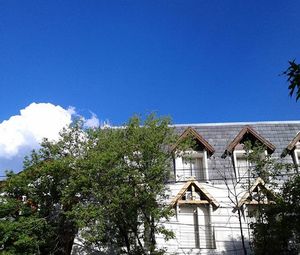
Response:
column 276, row 226
column 279, row 231
column 109, row 183
column 236, row 186
column 293, row 78
column 33, row 211
column 122, row 187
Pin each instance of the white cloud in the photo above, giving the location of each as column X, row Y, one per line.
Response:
column 71, row 110
column 36, row 121
column 92, row 122
column 24, row 132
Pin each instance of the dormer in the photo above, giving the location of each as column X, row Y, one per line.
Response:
column 192, row 162
column 258, row 194
column 193, row 193
column 293, row 148
column 193, row 206
column 236, row 149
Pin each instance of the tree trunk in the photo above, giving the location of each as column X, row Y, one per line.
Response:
column 66, row 232
column 242, row 234
column 152, row 236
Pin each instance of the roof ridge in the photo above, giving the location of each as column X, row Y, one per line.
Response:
column 237, row 123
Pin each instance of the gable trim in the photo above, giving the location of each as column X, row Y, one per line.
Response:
column 292, row 144
column 209, row 198
column 191, row 131
column 248, row 129
column 243, row 200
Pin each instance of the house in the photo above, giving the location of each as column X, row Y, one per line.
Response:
column 207, row 188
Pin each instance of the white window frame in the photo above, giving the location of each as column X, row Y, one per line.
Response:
column 296, row 156
column 191, row 154
column 201, row 235
column 239, row 153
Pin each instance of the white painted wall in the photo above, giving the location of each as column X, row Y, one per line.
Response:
column 219, row 231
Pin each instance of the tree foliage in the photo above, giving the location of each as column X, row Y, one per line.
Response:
column 276, row 227
column 279, row 231
column 107, row 183
column 33, row 212
column 122, row 186
column 293, row 78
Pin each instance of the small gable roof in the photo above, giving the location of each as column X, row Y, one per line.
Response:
column 246, row 199
column 249, row 130
column 208, row 198
column 292, row 144
column 192, row 132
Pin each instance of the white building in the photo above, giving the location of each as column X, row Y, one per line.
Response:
column 208, row 184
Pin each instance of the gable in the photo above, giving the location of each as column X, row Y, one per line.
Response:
column 248, row 133
column 190, row 132
column 294, row 142
column 193, row 192
column 257, row 194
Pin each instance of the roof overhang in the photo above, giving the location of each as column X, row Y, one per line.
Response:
column 292, row 144
column 191, row 132
column 245, row 198
column 249, row 130
column 209, row 199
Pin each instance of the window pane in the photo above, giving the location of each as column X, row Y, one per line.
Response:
column 193, row 167
column 242, row 166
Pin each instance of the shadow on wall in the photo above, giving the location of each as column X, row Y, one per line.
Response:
column 232, row 247
column 80, row 248
column 235, row 247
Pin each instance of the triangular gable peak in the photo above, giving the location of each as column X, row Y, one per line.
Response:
column 193, row 193
column 248, row 133
column 257, row 194
column 190, row 132
column 294, row 142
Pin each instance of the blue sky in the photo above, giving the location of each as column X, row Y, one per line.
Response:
column 197, row 61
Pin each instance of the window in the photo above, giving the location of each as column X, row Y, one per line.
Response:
column 242, row 165
column 297, row 157
column 297, row 154
column 189, row 229
column 195, row 227
column 236, row 148
column 193, row 167
column 194, row 206
column 191, row 164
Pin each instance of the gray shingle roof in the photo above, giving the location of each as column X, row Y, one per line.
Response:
column 280, row 134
